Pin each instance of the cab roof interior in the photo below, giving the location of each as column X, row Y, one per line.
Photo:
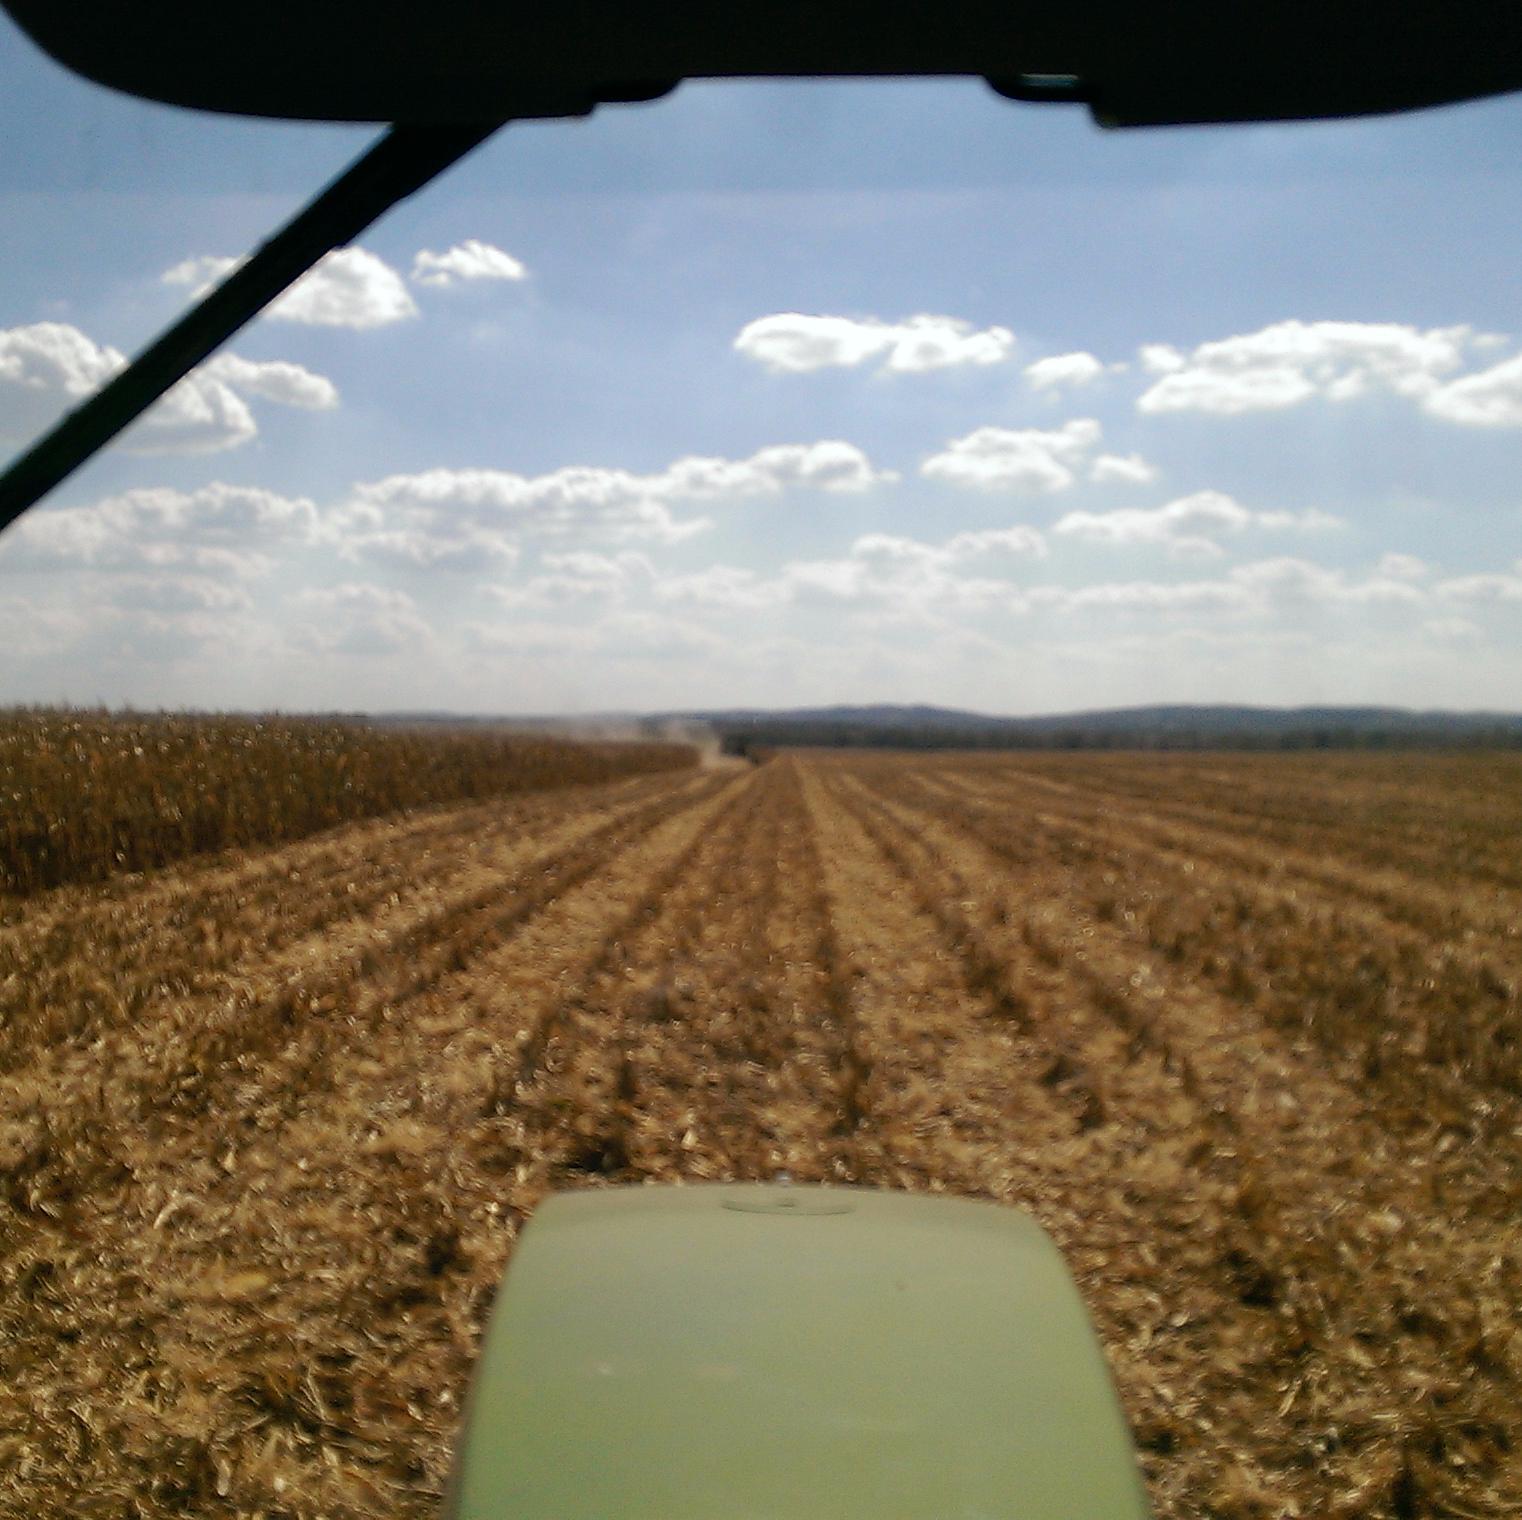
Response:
column 494, row 60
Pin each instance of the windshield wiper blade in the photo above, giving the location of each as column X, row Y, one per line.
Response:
column 402, row 161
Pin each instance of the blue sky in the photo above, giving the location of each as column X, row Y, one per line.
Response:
column 780, row 394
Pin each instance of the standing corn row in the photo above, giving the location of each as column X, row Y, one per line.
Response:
column 84, row 795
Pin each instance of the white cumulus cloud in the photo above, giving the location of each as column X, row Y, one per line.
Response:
column 969, row 571
column 1063, row 369
column 606, row 570
column 1402, row 567
column 201, row 272
column 48, row 368
column 1122, row 469
column 1487, row 398
column 275, row 380
column 985, row 544
column 174, row 595
column 1188, row 526
column 221, row 530
column 1284, row 586
column 620, row 636
column 567, row 579
column 406, row 535
column 1145, row 596
column 1289, row 581
column 53, row 360
column 349, row 287
column 467, row 261
column 831, row 465
column 1160, row 358
column 360, row 619
column 463, row 517
column 1453, row 630
column 363, row 595
column 200, row 415
column 1481, row 588
column 1291, row 362
column 726, row 587
column 1016, row 459
column 794, row 343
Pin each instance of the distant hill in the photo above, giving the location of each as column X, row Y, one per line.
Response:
column 1159, row 727
column 886, row 726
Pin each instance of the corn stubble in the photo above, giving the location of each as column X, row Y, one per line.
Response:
column 1242, row 1033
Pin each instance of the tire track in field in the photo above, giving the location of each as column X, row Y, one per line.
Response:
column 946, row 1069
column 1157, row 1121
column 1154, row 1011
column 1336, row 1243
column 859, row 1152
column 362, row 1182
column 1428, row 1024
column 1428, row 803
column 808, row 1028
column 628, row 1080
column 719, row 1048
column 1176, row 832
column 176, row 1073
column 1395, row 830
column 1151, row 985
column 1020, row 980
column 973, row 1105
column 178, row 1063
column 111, row 958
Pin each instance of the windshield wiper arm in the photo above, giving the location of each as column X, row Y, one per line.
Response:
column 405, row 159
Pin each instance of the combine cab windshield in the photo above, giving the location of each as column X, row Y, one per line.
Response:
column 857, row 629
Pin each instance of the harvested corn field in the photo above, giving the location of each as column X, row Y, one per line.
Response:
column 1243, row 1033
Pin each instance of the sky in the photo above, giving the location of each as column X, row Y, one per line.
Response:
column 772, row 395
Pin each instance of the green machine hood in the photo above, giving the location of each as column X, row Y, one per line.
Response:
column 773, row 1352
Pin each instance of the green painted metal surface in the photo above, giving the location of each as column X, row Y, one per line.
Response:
column 771, row 1352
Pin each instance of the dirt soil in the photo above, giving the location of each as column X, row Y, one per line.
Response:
column 1243, row 1033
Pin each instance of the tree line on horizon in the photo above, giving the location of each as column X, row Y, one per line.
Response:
column 742, row 737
